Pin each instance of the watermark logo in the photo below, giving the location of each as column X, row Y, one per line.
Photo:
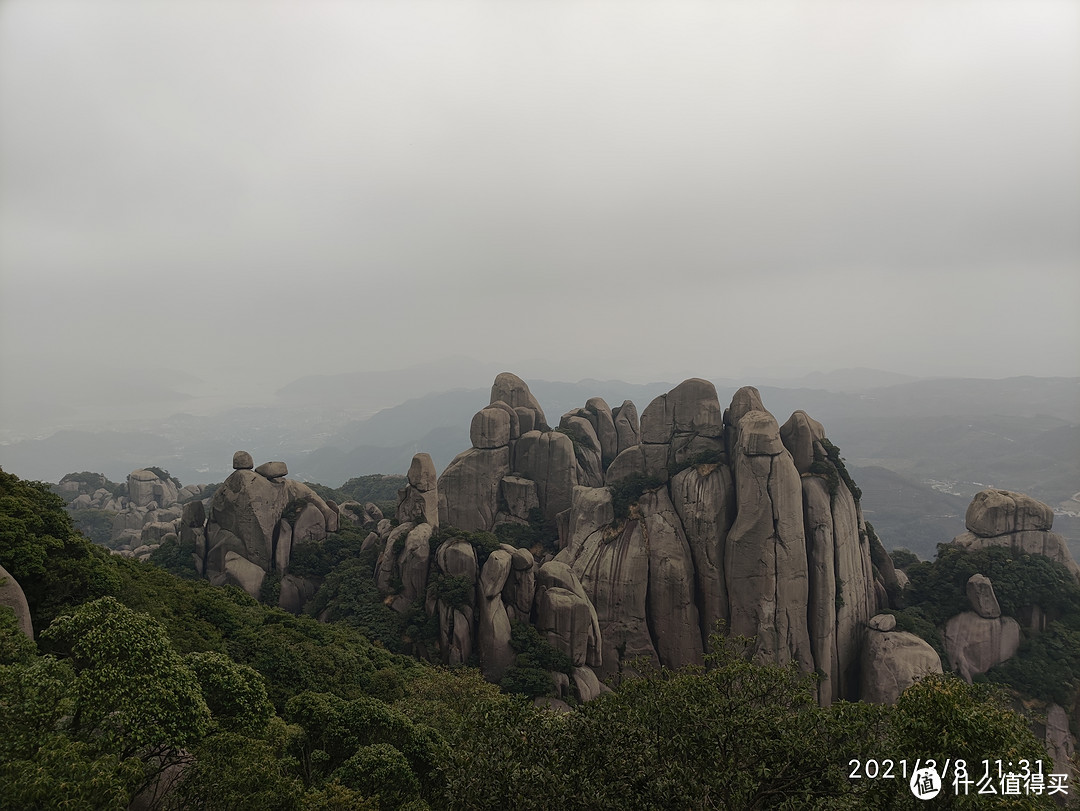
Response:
column 925, row 783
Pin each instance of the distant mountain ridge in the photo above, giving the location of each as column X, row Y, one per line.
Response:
column 962, row 434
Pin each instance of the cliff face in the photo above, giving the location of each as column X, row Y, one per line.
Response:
column 735, row 520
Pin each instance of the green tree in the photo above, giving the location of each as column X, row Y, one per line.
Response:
column 56, row 567
column 381, row 771
column 903, row 558
column 132, row 693
column 234, row 693
column 41, row 766
column 15, row 647
column 176, row 557
column 241, row 772
column 944, row 718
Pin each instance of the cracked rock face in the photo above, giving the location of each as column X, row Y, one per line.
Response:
column 997, row 512
column 512, row 390
column 733, row 529
column 980, row 593
column 419, row 502
column 766, row 563
column 468, row 491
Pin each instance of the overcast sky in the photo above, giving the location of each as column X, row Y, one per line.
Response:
column 245, row 192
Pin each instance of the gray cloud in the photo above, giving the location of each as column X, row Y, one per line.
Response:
column 634, row 188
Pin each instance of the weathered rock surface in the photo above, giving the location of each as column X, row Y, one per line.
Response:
column 997, row 512
column 672, row 605
column 457, row 625
column 799, row 434
column 512, row 390
column 468, row 491
column 882, row 622
column 272, row 470
column 980, row 593
column 586, row 446
column 975, row 644
column 11, row 595
column 241, row 571
column 588, row 686
column 411, row 566
column 892, row 661
column 242, row 460
column 564, row 619
column 490, row 428
column 822, row 606
column 253, row 521
column 1017, row 521
column 386, row 568
column 548, row 459
column 603, row 423
column 765, row 558
column 296, row 591
column 857, row 596
column 627, row 426
column 243, row 516
column 420, row 501
column 520, row 496
column 493, row 631
column 739, row 532
column 615, row 577
column 704, row 498
column 1059, row 741
column 556, row 574
column 146, row 487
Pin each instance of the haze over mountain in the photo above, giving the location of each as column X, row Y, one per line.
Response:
column 925, row 446
column 245, row 199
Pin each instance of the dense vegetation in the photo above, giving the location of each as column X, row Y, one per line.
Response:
column 1047, row 666
column 377, row 488
column 137, row 675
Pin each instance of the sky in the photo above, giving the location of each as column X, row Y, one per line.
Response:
column 220, row 197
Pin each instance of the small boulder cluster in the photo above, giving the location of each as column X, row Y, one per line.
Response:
column 146, row 512
column 980, row 638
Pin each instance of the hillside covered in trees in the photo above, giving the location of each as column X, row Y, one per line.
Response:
column 140, row 683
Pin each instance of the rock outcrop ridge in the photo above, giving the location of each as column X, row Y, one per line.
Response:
column 734, row 520
column 145, row 511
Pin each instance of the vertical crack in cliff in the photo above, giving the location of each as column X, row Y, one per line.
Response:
column 778, row 542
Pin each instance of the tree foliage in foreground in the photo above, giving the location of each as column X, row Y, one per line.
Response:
column 733, row 735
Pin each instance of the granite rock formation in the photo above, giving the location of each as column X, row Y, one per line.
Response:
column 732, row 520
column 977, row 640
column 1015, row 520
column 244, row 532
column 145, row 511
column 893, row 660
